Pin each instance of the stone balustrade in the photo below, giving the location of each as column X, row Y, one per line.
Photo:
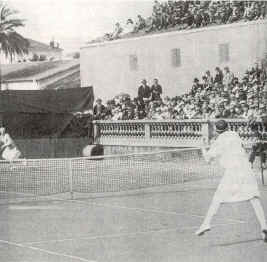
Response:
column 171, row 133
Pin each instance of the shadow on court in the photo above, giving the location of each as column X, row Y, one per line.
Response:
column 145, row 227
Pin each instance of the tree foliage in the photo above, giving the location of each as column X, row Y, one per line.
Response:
column 11, row 42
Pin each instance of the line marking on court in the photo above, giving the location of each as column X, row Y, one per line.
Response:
column 45, row 251
column 189, row 228
column 154, row 210
column 17, row 207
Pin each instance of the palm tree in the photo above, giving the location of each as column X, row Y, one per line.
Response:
column 11, row 42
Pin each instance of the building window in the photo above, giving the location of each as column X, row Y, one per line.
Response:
column 224, row 53
column 133, row 61
column 176, row 57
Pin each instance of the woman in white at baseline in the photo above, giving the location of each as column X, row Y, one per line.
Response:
column 10, row 151
column 238, row 183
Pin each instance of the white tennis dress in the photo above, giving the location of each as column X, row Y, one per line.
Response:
column 239, row 182
column 10, row 152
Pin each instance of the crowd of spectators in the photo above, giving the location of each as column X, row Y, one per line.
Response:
column 181, row 15
column 218, row 95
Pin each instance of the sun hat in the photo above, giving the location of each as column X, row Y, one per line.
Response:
column 221, row 126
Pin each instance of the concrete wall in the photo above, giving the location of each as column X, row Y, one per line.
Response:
column 106, row 65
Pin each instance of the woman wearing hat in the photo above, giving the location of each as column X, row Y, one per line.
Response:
column 10, row 151
column 238, row 183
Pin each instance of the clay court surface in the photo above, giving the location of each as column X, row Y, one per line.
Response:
column 155, row 225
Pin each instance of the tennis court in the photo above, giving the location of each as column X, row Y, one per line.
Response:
column 140, row 207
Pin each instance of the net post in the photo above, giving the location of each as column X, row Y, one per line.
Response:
column 70, row 178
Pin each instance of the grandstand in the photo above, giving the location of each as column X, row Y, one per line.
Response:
column 175, row 58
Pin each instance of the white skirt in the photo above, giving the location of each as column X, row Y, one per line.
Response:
column 238, row 183
column 11, row 154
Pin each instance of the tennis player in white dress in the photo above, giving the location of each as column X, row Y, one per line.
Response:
column 238, row 183
column 10, row 151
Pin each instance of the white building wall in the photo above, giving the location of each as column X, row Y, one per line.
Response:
column 20, row 85
column 106, row 65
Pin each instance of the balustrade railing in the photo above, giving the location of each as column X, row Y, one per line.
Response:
column 176, row 130
column 171, row 133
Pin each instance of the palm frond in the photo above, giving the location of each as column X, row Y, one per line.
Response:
column 11, row 42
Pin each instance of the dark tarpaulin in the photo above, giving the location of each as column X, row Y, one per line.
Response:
column 44, row 113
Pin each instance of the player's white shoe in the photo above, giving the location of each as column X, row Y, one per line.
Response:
column 202, row 230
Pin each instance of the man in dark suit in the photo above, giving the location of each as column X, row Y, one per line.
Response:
column 99, row 110
column 218, row 76
column 144, row 91
column 156, row 90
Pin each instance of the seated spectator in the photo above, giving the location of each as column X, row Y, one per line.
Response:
column 208, row 99
column 222, row 112
column 196, row 85
column 227, row 77
column 232, row 112
column 263, row 8
column 246, row 113
column 140, row 108
column 150, row 24
column 249, row 13
column 127, row 109
column 191, row 14
column 188, row 20
column 129, row 28
column 238, row 111
column 140, row 24
column 206, row 113
column 261, row 112
column 197, row 18
column 156, row 114
column 205, row 18
column 165, row 113
column 109, row 108
column 236, row 13
column 117, row 32
column 99, row 110
column 209, row 78
column 117, row 113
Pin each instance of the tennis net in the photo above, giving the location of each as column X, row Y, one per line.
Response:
column 34, row 178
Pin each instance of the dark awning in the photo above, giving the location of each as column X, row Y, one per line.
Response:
column 46, row 113
column 47, row 101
